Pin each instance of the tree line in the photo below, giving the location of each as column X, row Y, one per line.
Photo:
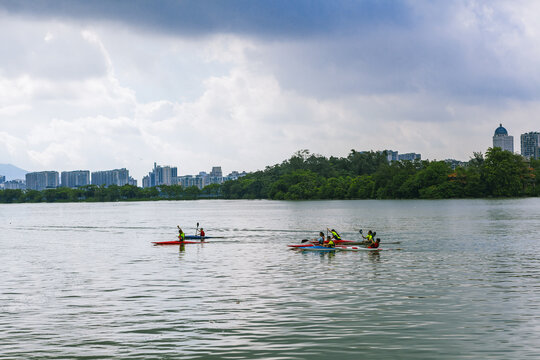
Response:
column 360, row 175
column 368, row 175
column 94, row 193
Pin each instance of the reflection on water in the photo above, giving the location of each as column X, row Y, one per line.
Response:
column 456, row 279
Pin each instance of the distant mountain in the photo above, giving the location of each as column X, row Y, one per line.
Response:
column 12, row 172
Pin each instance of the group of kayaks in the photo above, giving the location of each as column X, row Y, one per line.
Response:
column 345, row 245
column 306, row 245
column 340, row 245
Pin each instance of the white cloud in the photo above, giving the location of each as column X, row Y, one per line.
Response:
column 9, row 144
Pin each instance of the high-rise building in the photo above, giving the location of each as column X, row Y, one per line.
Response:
column 118, row 177
column 42, row 180
column 132, row 181
column 74, row 179
column 14, row 185
column 395, row 156
column 190, row 180
column 146, row 181
column 502, row 140
column 160, row 175
column 215, row 176
column 216, row 171
column 530, row 143
column 2, row 179
column 234, row 175
column 409, row 156
column 391, row 155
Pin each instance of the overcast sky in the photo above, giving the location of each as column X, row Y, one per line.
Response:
column 98, row 85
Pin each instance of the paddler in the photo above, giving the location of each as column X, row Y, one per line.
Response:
column 321, row 238
column 369, row 237
column 374, row 244
column 335, row 235
column 181, row 235
column 201, row 233
column 330, row 243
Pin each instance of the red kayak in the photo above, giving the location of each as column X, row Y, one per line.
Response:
column 300, row 245
column 177, row 242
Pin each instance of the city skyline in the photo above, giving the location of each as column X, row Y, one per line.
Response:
column 111, row 85
column 173, row 170
column 168, row 175
column 529, row 147
column 160, row 175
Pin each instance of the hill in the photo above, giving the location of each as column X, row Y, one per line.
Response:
column 12, row 172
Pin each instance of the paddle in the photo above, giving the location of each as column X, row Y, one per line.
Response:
column 197, row 230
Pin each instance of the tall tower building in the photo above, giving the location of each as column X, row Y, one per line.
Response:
column 42, row 180
column 216, row 171
column 119, row 177
column 74, row 179
column 161, row 175
column 502, row 140
column 530, row 145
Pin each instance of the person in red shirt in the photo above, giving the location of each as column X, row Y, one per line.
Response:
column 374, row 244
column 202, row 233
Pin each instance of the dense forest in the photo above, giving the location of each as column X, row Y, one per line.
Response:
column 368, row 175
column 360, row 175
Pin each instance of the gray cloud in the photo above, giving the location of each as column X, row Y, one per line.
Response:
column 334, row 48
column 264, row 17
column 440, row 55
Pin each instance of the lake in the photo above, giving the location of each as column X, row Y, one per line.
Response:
column 456, row 279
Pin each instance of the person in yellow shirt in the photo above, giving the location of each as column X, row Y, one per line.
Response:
column 369, row 238
column 181, row 235
column 335, row 235
column 330, row 242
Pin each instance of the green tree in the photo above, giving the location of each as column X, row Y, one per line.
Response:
column 361, row 187
column 433, row 174
column 149, row 193
column 129, row 192
column 192, row 192
column 11, row 195
column 504, row 173
column 334, row 188
column 212, row 190
column 171, row 191
column 33, row 196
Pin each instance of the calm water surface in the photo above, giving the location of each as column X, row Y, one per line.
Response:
column 457, row 279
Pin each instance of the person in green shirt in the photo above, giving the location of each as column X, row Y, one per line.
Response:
column 335, row 235
column 369, row 238
column 181, row 235
column 331, row 243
